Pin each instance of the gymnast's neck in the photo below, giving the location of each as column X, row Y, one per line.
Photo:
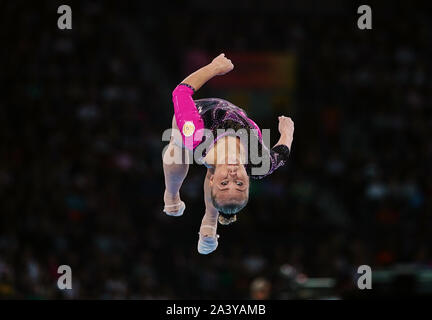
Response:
column 227, row 150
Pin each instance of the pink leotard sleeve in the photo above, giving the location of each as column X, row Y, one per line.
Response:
column 188, row 119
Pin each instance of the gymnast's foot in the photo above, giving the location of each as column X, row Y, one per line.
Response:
column 173, row 205
column 208, row 239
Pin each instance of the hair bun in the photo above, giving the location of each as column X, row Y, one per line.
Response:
column 227, row 219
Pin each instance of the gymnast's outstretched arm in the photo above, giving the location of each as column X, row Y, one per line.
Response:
column 219, row 66
column 189, row 121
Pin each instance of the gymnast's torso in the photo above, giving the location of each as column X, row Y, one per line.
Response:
column 219, row 116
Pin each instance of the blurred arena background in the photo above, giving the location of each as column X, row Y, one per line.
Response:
column 82, row 116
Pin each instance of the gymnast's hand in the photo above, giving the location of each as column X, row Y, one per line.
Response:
column 286, row 130
column 221, row 65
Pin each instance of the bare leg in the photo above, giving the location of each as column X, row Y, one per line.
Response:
column 175, row 172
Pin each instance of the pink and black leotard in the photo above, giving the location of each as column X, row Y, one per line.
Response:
column 213, row 114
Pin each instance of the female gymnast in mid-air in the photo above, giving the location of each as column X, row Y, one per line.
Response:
column 226, row 185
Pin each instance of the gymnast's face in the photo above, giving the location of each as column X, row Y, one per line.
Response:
column 230, row 183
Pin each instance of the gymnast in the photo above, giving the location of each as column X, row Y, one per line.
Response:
column 217, row 123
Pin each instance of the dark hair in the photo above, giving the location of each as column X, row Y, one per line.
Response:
column 227, row 218
column 228, row 212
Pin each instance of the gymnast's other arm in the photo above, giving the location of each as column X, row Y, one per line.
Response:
column 280, row 152
column 286, row 130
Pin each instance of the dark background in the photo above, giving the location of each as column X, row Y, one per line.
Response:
column 81, row 181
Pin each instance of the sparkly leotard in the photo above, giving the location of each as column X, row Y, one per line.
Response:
column 221, row 114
